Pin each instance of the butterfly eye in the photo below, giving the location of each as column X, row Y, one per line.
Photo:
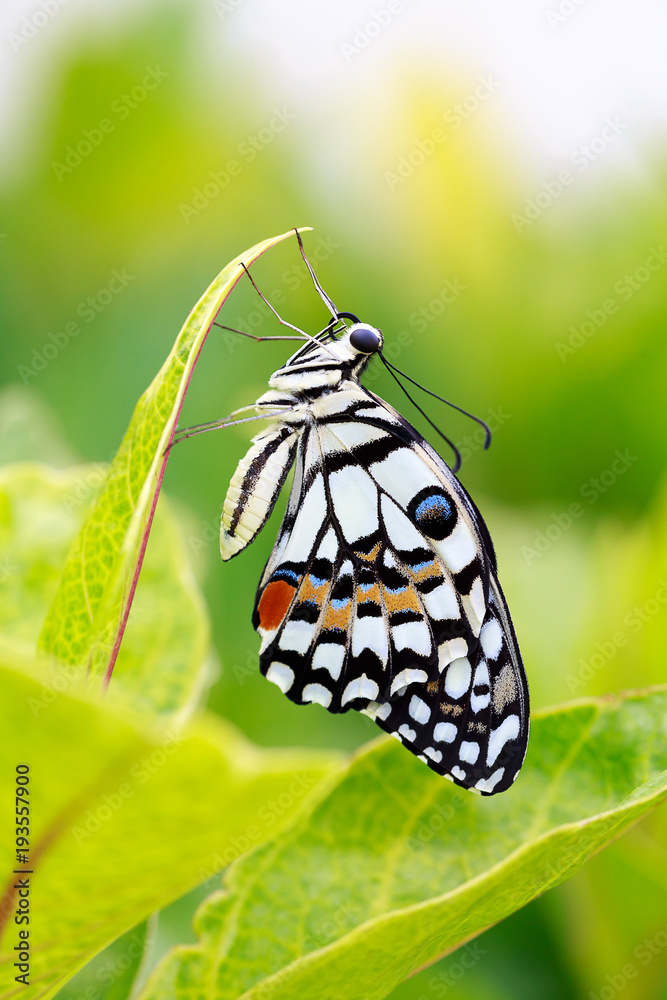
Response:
column 364, row 339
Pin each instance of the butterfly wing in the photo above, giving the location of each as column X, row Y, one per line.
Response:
column 381, row 595
column 471, row 725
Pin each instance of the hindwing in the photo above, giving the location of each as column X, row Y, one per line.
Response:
column 381, row 595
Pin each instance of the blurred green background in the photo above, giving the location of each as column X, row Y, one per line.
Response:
column 488, row 188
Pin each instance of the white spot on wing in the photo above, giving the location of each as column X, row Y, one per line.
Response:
column 351, row 434
column 403, row 474
column 441, row 602
column 481, row 673
column 408, row 676
column 370, row 633
column 469, row 751
column 445, row 732
column 267, row 637
column 459, row 548
column 412, row 635
column 419, row 710
column 491, row 638
column 377, row 711
column 477, row 599
column 282, row 675
column 402, row 533
column 317, row 693
column 457, row 678
column 312, row 513
column 459, row 773
column 360, row 687
column 471, row 614
column 297, row 635
column 435, row 755
column 507, row 730
column 488, row 784
column 329, row 656
column 354, row 498
column 479, row 701
column 450, row 650
column 407, row 733
column 328, row 546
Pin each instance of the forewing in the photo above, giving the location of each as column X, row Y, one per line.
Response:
column 355, row 599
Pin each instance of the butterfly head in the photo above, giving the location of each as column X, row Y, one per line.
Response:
column 340, row 352
column 364, row 339
column 356, row 344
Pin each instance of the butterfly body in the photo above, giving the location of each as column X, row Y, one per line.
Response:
column 381, row 593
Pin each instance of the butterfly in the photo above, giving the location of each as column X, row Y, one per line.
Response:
column 381, row 593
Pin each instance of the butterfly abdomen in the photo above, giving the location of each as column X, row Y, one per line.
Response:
column 255, row 487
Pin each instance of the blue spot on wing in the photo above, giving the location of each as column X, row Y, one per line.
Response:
column 434, row 511
column 437, row 506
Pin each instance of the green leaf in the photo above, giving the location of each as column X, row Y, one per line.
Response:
column 30, row 430
column 112, row 974
column 41, row 511
column 86, row 620
column 125, row 817
column 395, row 867
column 162, row 661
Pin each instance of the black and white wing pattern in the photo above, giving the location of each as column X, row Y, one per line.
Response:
column 381, row 592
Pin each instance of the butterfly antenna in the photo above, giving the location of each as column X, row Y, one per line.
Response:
column 316, row 281
column 457, row 453
column 284, row 322
column 254, row 336
column 482, row 423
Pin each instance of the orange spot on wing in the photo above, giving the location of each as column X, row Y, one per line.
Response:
column 273, row 604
